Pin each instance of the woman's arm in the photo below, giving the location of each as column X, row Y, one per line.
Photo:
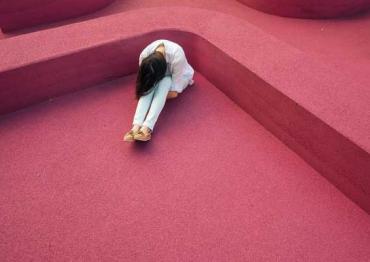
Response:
column 179, row 71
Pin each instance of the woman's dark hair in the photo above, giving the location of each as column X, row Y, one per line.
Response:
column 152, row 70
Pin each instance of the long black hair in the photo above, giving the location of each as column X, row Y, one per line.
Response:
column 152, row 70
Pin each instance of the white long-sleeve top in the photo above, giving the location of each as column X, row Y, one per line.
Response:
column 177, row 65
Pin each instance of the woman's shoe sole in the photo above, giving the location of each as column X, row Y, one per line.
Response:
column 142, row 139
column 129, row 140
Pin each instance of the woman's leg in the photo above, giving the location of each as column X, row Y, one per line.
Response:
column 142, row 108
column 159, row 99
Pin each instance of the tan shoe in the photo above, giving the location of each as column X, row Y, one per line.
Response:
column 129, row 136
column 143, row 136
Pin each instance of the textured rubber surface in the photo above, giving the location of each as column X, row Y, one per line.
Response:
column 211, row 185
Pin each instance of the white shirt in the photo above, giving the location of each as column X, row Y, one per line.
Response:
column 177, row 65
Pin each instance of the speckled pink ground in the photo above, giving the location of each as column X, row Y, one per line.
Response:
column 212, row 185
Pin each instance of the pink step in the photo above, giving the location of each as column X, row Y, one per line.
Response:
column 323, row 120
column 212, row 185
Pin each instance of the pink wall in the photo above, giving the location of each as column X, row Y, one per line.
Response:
column 16, row 15
column 310, row 8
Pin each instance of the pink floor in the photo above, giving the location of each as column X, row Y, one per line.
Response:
column 213, row 185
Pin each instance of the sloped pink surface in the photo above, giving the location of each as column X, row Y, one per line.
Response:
column 212, row 185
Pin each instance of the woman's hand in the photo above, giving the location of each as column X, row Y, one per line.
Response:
column 172, row 94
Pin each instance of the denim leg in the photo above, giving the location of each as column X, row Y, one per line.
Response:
column 158, row 102
column 142, row 108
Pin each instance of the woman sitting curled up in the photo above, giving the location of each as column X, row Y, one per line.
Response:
column 163, row 73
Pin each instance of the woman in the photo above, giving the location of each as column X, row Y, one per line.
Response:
column 163, row 73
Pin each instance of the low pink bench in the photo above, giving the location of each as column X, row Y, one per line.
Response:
column 16, row 15
column 308, row 105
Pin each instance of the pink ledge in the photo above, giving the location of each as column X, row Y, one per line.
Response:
column 16, row 15
column 310, row 8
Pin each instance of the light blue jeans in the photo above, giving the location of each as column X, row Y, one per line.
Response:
column 150, row 106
